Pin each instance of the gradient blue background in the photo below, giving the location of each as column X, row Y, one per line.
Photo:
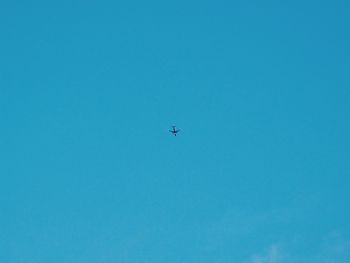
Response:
column 259, row 173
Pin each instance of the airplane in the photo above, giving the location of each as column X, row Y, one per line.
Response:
column 174, row 130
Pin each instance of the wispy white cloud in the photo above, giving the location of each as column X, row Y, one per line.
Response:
column 334, row 248
column 272, row 236
column 272, row 255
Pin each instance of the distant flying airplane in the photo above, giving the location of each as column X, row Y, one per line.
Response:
column 174, row 130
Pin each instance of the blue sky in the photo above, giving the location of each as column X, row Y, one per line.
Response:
column 258, row 174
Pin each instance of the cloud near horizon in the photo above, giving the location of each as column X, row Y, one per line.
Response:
column 272, row 255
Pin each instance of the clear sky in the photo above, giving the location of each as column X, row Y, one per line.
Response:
column 258, row 174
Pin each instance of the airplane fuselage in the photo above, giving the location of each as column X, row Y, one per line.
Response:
column 174, row 130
